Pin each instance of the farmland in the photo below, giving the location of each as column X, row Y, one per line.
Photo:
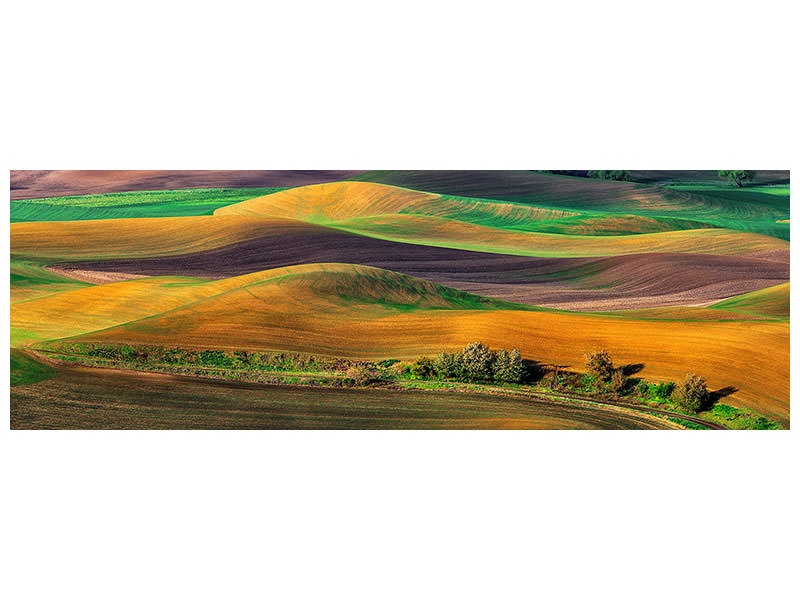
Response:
column 97, row 399
column 687, row 277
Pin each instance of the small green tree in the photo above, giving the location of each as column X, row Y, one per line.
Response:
column 447, row 365
column 422, row 368
column 508, row 366
column 476, row 362
column 599, row 365
column 691, row 394
column 737, row 177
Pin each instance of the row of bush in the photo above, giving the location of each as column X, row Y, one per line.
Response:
column 238, row 359
column 690, row 395
column 475, row 362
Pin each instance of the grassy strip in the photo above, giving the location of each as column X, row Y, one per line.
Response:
column 686, row 424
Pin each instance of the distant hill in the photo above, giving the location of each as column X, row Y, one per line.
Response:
column 46, row 184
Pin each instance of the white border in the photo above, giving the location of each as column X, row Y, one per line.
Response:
column 388, row 514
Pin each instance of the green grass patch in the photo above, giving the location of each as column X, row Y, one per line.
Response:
column 25, row 370
column 768, row 302
column 687, row 424
column 738, row 418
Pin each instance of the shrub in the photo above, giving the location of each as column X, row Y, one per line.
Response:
column 599, row 365
column 588, row 382
column 692, row 394
column 476, row 362
column 661, row 391
column 447, row 365
column 643, row 389
column 360, row 374
column 508, row 366
column 215, row 358
column 553, row 380
column 618, row 382
column 422, row 368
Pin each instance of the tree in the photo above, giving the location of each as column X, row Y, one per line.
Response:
column 599, row 365
column 422, row 368
column 447, row 366
column 691, row 394
column 476, row 362
column 618, row 382
column 508, row 366
column 737, row 177
column 618, row 175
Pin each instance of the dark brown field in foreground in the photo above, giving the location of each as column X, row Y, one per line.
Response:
column 85, row 398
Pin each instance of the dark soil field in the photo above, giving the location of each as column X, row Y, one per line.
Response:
column 761, row 178
column 603, row 283
column 522, row 184
column 86, row 398
column 45, row 184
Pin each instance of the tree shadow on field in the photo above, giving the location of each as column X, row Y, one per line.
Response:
column 717, row 395
column 534, row 370
column 632, row 369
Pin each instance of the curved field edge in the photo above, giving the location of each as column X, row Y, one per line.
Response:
column 85, row 398
column 771, row 302
column 436, row 231
column 114, row 239
column 592, row 195
column 331, row 203
column 330, row 285
column 278, row 368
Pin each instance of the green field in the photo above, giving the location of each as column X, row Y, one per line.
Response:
column 772, row 302
column 123, row 205
column 753, row 209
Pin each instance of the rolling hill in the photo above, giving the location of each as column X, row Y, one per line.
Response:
column 360, row 312
column 689, row 278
